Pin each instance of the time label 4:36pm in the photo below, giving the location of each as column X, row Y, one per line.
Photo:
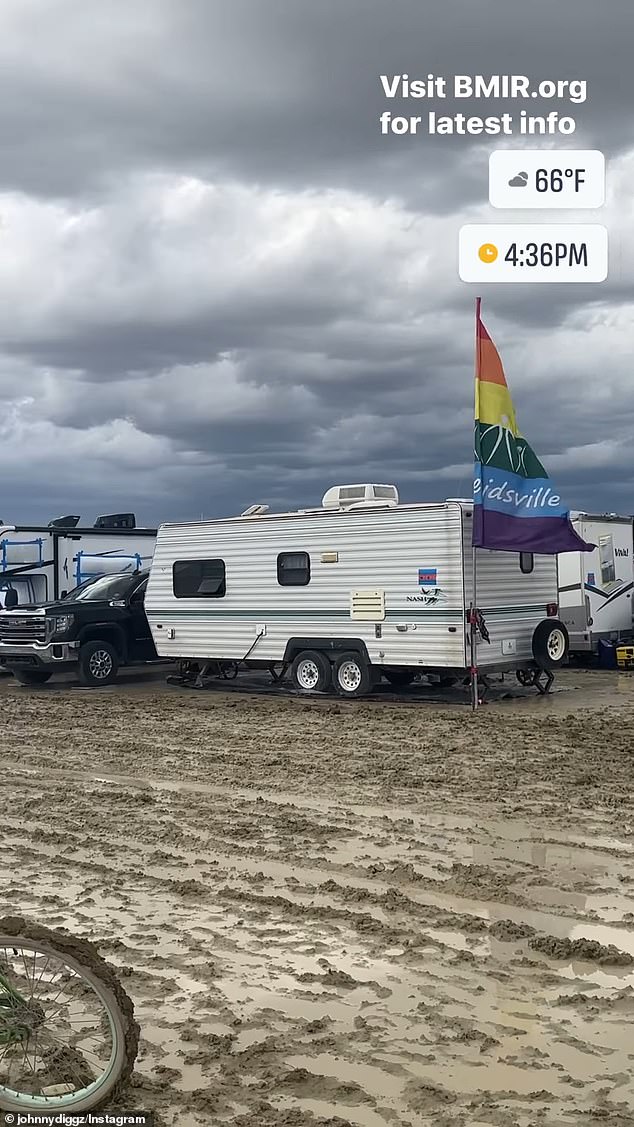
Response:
column 533, row 252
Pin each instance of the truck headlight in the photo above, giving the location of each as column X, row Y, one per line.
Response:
column 60, row 623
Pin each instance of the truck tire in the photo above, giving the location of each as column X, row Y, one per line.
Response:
column 352, row 676
column 311, row 672
column 550, row 644
column 98, row 664
column 32, row 676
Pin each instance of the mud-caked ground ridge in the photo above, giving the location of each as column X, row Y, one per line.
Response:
column 342, row 913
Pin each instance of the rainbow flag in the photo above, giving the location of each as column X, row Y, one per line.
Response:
column 515, row 505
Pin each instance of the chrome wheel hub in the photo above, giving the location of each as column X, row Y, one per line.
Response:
column 307, row 674
column 556, row 645
column 100, row 665
column 349, row 676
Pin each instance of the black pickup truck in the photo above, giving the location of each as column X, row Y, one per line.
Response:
column 94, row 630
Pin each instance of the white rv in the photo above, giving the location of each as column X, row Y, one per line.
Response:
column 595, row 588
column 360, row 588
column 41, row 562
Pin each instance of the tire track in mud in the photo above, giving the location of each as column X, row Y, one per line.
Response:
column 357, row 951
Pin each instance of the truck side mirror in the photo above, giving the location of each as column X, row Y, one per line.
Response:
column 11, row 599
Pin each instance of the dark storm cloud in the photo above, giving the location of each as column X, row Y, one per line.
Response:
column 210, row 293
column 282, row 92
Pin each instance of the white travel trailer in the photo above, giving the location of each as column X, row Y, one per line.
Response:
column 360, row 588
column 41, row 562
column 595, row 588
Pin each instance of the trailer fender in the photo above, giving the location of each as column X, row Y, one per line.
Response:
column 330, row 646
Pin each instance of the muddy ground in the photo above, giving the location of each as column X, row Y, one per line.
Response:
column 351, row 913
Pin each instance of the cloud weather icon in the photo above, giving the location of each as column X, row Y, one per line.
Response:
column 519, row 181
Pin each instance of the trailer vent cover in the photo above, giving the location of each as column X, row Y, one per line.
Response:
column 367, row 606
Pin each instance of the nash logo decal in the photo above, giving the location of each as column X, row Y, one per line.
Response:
column 428, row 598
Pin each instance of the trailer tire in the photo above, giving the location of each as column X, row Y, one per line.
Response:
column 352, row 676
column 31, row 676
column 311, row 672
column 550, row 644
column 98, row 664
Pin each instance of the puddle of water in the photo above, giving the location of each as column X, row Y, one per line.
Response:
column 375, row 1081
column 491, row 1076
column 158, row 1035
column 549, row 856
column 606, row 934
column 610, row 905
column 615, row 978
column 457, row 940
column 253, row 1036
column 311, row 1004
column 192, row 1076
column 362, row 1116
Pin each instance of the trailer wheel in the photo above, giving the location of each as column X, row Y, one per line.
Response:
column 311, row 672
column 526, row 677
column 550, row 644
column 32, row 676
column 98, row 664
column 353, row 677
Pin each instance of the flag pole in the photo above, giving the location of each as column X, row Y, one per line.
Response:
column 474, row 593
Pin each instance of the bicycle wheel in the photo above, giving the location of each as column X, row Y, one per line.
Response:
column 68, row 1038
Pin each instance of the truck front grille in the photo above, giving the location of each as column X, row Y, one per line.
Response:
column 22, row 631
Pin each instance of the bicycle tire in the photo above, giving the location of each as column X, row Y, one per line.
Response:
column 82, row 956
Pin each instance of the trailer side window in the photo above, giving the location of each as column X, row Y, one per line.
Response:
column 606, row 556
column 527, row 562
column 293, row 569
column 199, row 579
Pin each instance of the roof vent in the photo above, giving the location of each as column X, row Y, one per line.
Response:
column 116, row 520
column 255, row 511
column 360, row 496
column 64, row 522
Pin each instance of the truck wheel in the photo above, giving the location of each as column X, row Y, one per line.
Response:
column 550, row 644
column 311, row 672
column 32, row 676
column 98, row 664
column 353, row 677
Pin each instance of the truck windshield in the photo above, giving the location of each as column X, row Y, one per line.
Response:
column 102, row 590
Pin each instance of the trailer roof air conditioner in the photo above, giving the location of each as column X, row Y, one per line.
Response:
column 360, row 496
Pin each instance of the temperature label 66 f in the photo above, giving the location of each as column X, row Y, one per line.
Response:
column 547, row 178
column 553, row 179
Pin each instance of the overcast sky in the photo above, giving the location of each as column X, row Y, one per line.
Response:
column 219, row 284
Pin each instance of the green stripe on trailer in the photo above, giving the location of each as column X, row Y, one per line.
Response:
column 304, row 613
